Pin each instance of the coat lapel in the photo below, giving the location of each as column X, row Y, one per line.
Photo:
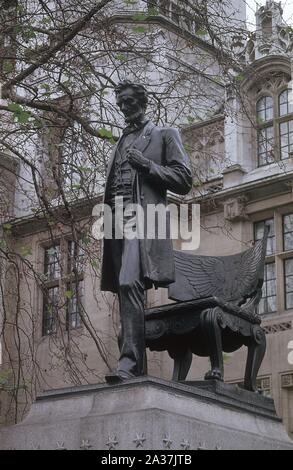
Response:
column 141, row 144
column 143, row 141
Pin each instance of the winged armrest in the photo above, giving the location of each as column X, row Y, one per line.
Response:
column 244, row 312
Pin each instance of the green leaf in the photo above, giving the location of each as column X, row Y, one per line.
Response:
column 3, row 245
column 140, row 17
column 153, row 11
column 20, row 114
column 8, row 66
column 29, row 34
column 191, row 119
column 121, row 57
column 240, row 77
column 139, row 29
column 84, row 169
column 45, row 86
column 69, row 294
column 105, row 133
column 7, row 227
column 23, row 117
column 26, row 251
column 201, row 32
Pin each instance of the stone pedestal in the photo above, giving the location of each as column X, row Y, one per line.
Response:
column 149, row 414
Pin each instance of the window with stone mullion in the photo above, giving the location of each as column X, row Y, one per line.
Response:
column 285, row 120
column 288, row 232
column 75, row 269
column 288, row 263
column 288, row 270
column 265, row 133
column 268, row 303
column 51, row 293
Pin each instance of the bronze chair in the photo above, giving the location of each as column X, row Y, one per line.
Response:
column 215, row 311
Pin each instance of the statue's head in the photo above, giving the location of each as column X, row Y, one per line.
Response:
column 132, row 99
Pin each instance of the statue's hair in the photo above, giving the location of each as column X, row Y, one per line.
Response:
column 140, row 91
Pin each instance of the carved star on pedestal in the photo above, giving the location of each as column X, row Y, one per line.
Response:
column 167, row 442
column 185, row 444
column 60, row 446
column 219, row 448
column 139, row 440
column 202, row 446
column 112, row 442
column 36, row 447
column 85, row 445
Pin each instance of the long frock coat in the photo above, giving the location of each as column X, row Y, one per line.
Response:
column 169, row 170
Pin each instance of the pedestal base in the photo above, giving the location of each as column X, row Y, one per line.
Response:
column 149, row 414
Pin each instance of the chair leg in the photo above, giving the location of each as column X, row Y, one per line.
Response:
column 212, row 331
column 182, row 362
column 256, row 352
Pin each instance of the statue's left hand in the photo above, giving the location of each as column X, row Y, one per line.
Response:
column 138, row 161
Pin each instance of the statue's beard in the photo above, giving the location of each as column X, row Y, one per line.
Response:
column 135, row 117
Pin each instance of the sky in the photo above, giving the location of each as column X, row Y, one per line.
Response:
column 252, row 5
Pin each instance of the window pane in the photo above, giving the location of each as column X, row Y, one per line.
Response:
column 50, row 310
column 52, row 262
column 286, row 136
column 271, row 304
column 288, row 232
column 268, row 303
column 76, row 256
column 265, row 146
column 74, row 304
column 289, row 267
column 285, row 103
column 259, row 233
column 289, row 283
column 264, row 109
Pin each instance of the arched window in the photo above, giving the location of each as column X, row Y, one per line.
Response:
column 274, row 127
column 265, row 115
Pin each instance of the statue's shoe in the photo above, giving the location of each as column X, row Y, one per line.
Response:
column 117, row 377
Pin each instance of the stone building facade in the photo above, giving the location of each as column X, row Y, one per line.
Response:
column 242, row 160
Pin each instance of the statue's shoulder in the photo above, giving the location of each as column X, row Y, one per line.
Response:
column 168, row 131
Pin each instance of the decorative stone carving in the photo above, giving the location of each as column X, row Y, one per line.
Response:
column 60, row 446
column 205, row 143
column 235, row 209
column 272, row 84
column 167, row 442
column 185, row 444
column 139, row 440
column 85, row 445
column 112, row 442
column 287, row 381
column 202, row 446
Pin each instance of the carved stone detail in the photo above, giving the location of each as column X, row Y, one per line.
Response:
column 60, row 446
column 85, row 445
column 202, row 446
column 112, row 442
column 139, row 440
column 185, row 444
column 235, row 209
column 167, row 442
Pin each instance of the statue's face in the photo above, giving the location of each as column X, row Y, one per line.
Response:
column 129, row 105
